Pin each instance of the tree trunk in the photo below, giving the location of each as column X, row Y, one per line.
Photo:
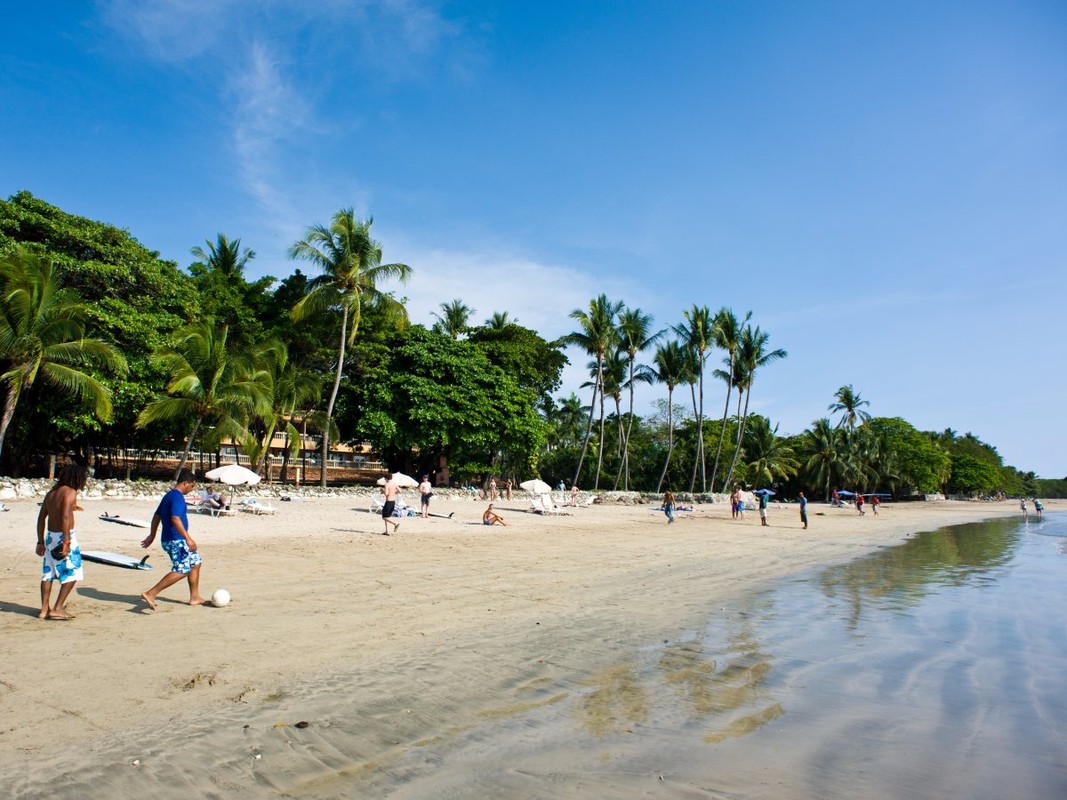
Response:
column 588, row 430
column 740, row 434
column 722, row 430
column 696, row 445
column 600, row 444
column 333, row 397
column 629, row 430
column 9, row 412
column 188, row 447
column 670, row 436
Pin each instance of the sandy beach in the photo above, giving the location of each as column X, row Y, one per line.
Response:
column 445, row 622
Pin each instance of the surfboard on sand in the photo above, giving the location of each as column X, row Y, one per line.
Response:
column 137, row 523
column 115, row 559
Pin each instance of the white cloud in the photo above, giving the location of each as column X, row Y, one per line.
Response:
column 169, row 30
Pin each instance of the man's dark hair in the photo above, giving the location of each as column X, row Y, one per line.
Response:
column 185, row 476
column 73, row 475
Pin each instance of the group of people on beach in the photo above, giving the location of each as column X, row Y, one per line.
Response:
column 1039, row 509
column 57, row 541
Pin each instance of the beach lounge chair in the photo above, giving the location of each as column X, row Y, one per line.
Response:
column 205, row 505
column 255, row 507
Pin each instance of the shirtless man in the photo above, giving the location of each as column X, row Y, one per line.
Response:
column 58, row 546
column 490, row 517
column 173, row 514
column 391, row 492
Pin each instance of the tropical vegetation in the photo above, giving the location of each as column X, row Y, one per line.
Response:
column 107, row 350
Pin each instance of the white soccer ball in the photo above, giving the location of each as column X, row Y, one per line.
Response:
column 220, row 598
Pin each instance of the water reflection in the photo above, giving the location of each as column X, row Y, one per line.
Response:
column 901, row 577
column 617, row 702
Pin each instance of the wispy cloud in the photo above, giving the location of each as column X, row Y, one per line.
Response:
column 169, row 30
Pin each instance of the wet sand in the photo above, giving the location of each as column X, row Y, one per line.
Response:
column 379, row 642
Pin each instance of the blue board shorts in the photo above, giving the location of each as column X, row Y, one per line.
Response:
column 182, row 559
column 65, row 570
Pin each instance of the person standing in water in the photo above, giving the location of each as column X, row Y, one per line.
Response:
column 58, row 545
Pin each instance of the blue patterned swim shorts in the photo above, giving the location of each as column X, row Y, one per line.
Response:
column 67, row 570
column 182, row 559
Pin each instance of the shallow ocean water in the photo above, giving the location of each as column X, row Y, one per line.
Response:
column 930, row 669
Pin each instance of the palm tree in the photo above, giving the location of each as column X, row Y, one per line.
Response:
column 207, row 383
column 500, row 320
column 728, row 330
column 850, row 404
column 453, row 318
column 698, row 332
column 672, row 367
column 42, row 336
column 351, row 264
column 287, row 388
column 635, row 336
column 224, row 258
column 752, row 356
column 596, row 334
column 772, row 458
column 824, row 442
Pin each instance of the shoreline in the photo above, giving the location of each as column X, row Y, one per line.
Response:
column 318, row 592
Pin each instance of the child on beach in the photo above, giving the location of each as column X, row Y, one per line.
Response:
column 668, row 505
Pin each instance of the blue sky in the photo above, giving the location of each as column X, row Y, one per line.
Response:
column 884, row 185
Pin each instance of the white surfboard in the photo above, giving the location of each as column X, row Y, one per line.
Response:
column 137, row 523
column 115, row 559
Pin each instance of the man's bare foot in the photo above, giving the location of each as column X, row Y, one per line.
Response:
column 43, row 614
column 197, row 601
column 149, row 600
column 59, row 615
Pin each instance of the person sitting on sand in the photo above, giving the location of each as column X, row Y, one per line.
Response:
column 490, row 517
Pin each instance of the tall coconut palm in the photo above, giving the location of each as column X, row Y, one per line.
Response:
column 728, row 330
column 635, row 336
column 453, row 319
column 613, row 377
column 596, row 333
column 753, row 355
column 850, row 404
column 352, row 268
column 698, row 332
column 42, row 336
column 206, row 383
column 672, row 367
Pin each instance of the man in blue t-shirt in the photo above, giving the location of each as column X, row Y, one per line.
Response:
column 172, row 514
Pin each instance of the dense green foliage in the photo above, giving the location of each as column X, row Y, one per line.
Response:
column 174, row 359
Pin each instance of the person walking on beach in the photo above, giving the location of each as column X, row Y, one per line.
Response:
column 803, row 509
column 173, row 515
column 763, row 509
column 859, row 505
column 391, row 492
column 507, row 489
column 668, row 505
column 875, row 502
column 490, row 517
column 58, row 545
column 425, row 492
column 735, row 501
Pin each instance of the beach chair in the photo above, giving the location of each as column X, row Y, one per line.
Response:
column 255, row 507
column 204, row 506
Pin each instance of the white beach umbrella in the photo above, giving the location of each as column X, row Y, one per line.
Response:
column 536, row 486
column 233, row 475
column 402, row 480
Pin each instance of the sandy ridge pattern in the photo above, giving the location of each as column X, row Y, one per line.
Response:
column 321, row 598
